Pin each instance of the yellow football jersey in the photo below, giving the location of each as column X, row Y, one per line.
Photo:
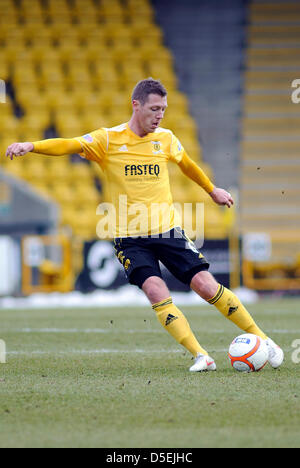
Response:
column 136, row 170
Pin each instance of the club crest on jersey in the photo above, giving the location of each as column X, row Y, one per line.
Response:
column 156, row 147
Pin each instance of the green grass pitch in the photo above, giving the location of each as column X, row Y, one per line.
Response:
column 114, row 378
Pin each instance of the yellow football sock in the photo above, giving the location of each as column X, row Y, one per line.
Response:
column 177, row 325
column 231, row 307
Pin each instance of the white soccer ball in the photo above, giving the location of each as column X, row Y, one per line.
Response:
column 248, row 353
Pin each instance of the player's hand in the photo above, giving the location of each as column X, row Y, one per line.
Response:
column 222, row 197
column 19, row 149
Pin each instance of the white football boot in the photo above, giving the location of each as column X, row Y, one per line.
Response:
column 203, row 363
column 276, row 354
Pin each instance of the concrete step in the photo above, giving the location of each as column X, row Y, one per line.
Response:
column 269, row 148
column 268, row 221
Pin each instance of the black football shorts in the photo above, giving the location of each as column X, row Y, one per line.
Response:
column 140, row 256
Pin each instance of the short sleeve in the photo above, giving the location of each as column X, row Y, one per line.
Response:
column 177, row 150
column 94, row 145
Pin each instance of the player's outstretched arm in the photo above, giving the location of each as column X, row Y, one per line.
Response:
column 52, row 147
column 194, row 172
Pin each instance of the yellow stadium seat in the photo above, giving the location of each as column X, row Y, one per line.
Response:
column 12, row 36
column 149, row 53
column 15, row 170
column 92, row 122
column 53, row 162
column 178, row 102
column 111, row 33
column 118, row 117
column 30, row 7
column 33, row 31
column 81, row 97
column 142, row 34
column 69, row 127
column 130, row 76
column 79, row 78
column 23, row 58
column 58, row 32
column 53, row 96
column 12, row 51
column 67, row 52
column 87, row 33
column 63, row 18
column 6, row 141
column 25, row 78
column 30, row 134
column 107, row 78
column 64, row 105
column 111, row 13
column 89, row 19
column 50, row 64
column 51, row 59
column 81, row 174
column 143, row 9
column 86, row 195
column 192, row 148
column 31, row 19
column 34, row 171
column 8, row 124
column 168, row 79
column 83, row 5
column 40, row 53
column 8, row 8
column 31, row 100
column 119, row 52
column 85, row 216
column 59, row 173
column 68, row 216
column 114, row 104
column 64, row 194
column 77, row 87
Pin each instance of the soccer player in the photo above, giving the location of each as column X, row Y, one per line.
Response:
column 134, row 156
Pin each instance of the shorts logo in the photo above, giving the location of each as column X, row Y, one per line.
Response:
column 170, row 319
column 127, row 264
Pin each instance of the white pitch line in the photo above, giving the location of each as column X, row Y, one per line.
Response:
column 116, row 330
column 104, row 351
column 78, row 330
column 95, row 351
